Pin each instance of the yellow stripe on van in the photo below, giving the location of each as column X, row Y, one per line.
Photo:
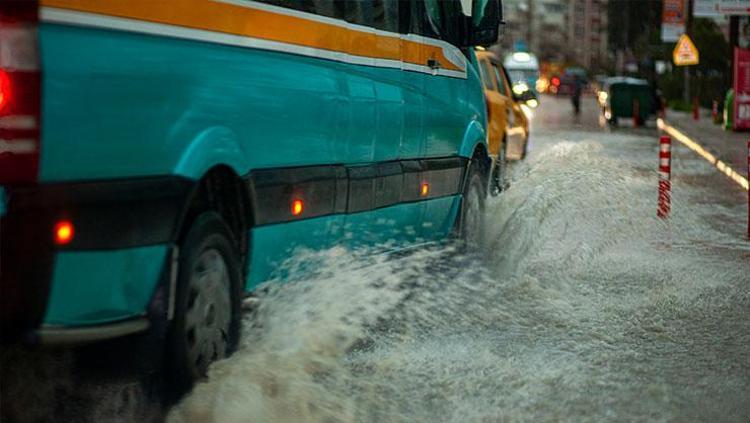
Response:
column 210, row 15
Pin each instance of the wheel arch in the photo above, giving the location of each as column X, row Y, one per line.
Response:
column 222, row 190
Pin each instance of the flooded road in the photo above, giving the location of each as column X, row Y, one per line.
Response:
column 584, row 306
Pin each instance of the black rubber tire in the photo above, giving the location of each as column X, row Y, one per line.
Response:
column 525, row 150
column 499, row 180
column 474, row 191
column 207, row 232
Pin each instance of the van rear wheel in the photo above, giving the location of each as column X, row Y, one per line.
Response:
column 206, row 323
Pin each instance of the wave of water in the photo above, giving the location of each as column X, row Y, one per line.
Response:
column 584, row 307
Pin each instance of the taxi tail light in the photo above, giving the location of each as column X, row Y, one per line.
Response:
column 20, row 92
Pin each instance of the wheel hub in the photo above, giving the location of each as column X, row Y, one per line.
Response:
column 209, row 311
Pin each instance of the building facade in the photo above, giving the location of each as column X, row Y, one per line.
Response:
column 564, row 31
column 587, row 33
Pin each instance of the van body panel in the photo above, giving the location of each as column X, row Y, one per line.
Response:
column 144, row 90
column 271, row 257
column 94, row 287
column 284, row 109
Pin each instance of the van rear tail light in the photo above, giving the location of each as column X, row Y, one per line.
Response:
column 20, row 92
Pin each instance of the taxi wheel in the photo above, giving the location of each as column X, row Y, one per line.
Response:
column 499, row 172
column 470, row 225
column 206, row 323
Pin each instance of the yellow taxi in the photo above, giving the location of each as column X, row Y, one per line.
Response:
column 508, row 122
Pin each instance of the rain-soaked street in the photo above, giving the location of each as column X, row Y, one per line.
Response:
column 585, row 307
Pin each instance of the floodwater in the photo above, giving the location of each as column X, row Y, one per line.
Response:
column 583, row 307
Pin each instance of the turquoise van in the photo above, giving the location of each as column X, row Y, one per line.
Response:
column 160, row 159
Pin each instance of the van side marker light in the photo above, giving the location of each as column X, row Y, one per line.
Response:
column 424, row 189
column 297, row 207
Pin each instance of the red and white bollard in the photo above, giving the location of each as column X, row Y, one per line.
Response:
column 665, row 175
column 715, row 111
column 636, row 112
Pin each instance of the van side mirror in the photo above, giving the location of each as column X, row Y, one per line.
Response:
column 484, row 23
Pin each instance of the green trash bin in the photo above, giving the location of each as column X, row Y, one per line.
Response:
column 622, row 92
column 729, row 110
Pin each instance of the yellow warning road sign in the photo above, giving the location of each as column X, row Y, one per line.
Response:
column 685, row 53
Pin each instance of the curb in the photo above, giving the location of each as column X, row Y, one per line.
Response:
column 722, row 166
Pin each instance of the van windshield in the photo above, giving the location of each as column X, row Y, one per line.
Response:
column 516, row 75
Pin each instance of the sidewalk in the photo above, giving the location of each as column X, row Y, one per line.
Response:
column 726, row 146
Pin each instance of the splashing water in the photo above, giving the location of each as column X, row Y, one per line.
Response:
column 583, row 307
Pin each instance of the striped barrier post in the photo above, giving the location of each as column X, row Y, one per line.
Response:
column 665, row 175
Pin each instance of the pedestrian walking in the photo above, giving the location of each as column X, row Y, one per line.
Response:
column 576, row 95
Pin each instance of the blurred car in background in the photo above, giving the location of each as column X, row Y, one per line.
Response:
column 508, row 110
column 522, row 67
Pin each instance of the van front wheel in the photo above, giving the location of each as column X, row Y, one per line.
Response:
column 206, row 323
column 470, row 226
column 499, row 171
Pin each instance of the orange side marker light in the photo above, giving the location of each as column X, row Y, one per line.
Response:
column 297, row 207
column 424, row 189
column 64, row 231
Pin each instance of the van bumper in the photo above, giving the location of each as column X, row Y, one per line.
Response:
column 61, row 335
column 106, row 276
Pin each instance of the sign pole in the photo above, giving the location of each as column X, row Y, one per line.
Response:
column 688, row 32
column 686, row 86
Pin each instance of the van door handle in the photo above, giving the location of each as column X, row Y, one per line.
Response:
column 433, row 63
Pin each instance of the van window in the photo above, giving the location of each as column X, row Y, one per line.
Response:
column 319, row 7
column 500, row 80
column 438, row 19
column 426, row 18
column 434, row 15
column 386, row 16
column 379, row 14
